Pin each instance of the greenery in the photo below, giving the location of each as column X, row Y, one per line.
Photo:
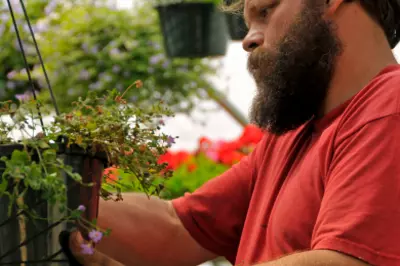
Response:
column 97, row 47
column 192, row 170
column 11, row 59
column 191, row 175
column 127, row 134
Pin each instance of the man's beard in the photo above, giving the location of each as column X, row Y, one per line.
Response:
column 292, row 82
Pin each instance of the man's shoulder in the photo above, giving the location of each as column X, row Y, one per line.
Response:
column 379, row 99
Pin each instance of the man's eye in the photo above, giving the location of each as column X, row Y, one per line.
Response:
column 264, row 12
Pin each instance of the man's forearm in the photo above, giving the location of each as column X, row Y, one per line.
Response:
column 316, row 258
column 146, row 232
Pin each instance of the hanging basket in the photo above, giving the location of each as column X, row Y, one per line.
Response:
column 193, row 30
column 40, row 237
column 237, row 27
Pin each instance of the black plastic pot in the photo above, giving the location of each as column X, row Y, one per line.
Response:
column 237, row 27
column 193, row 30
column 42, row 246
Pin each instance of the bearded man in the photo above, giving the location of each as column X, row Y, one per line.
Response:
column 323, row 186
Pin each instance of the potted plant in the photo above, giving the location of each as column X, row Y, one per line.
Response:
column 52, row 173
column 192, row 28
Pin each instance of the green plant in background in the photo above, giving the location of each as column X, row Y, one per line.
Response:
column 192, row 175
column 11, row 60
column 95, row 47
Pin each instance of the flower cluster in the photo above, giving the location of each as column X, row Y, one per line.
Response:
column 191, row 170
column 223, row 152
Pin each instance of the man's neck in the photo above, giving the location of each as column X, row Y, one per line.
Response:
column 355, row 68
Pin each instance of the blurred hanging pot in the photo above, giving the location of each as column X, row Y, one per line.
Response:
column 193, row 30
column 237, row 27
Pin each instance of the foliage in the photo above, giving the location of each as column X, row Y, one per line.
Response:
column 127, row 134
column 11, row 60
column 95, row 47
column 191, row 170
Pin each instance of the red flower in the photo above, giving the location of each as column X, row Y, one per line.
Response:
column 251, row 135
column 231, row 157
column 111, row 174
column 174, row 160
column 192, row 167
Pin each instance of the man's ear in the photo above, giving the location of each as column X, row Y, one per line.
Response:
column 332, row 6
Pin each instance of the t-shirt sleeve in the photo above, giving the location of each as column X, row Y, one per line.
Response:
column 214, row 214
column 360, row 209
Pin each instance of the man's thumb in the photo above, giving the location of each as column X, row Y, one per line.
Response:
column 80, row 252
column 64, row 239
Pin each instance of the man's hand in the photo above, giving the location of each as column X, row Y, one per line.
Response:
column 97, row 258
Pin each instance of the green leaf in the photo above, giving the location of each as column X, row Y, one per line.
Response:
column 3, row 185
column 107, row 232
column 43, row 144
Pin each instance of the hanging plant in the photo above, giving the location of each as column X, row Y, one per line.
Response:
column 51, row 173
column 192, row 29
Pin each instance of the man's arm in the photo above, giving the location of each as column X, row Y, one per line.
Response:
column 316, row 258
column 145, row 232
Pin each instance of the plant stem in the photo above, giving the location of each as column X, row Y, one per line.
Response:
column 22, row 231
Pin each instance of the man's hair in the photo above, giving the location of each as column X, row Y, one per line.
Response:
column 384, row 12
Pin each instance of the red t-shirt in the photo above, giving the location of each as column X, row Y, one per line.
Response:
column 331, row 184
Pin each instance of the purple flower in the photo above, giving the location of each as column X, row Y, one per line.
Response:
column 115, row 52
column 4, row 17
column 24, row 97
column 95, row 236
column 183, row 69
column 81, row 208
column 116, row 68
column 95, row 49
column 107, row 78
column 156, row 59
column 85, row 47
column 40, row 26
column 2, row 28
column 10, row 85
column 127, row 74
column 84, row 75
column 95, row 86
column 11, row 74
column 170, row 140
column 71, row 91
column 87, row 249
column 166, row 64
column 26, row 27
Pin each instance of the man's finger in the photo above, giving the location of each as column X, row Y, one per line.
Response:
column 86, row 255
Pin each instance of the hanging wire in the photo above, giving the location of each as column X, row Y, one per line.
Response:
column 30, row 239
column 53, row 99
column 26, row 63
column 49, row 259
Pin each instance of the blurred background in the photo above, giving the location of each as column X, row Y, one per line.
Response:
column 187, row 54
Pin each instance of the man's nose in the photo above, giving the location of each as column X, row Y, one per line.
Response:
column 252, row 41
